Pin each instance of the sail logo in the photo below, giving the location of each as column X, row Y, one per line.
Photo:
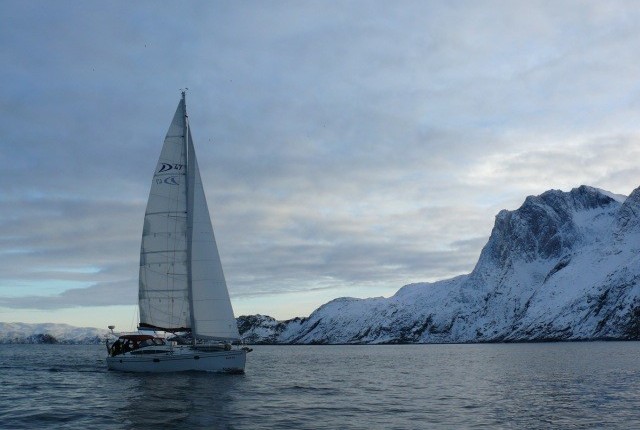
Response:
column 164, row 167
column 171, row 180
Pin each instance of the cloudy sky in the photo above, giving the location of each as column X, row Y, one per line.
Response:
column 347, row 147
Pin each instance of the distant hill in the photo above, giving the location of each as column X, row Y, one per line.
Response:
column 564, row 266
column 49, row 333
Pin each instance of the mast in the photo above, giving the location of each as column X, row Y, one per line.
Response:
column 190, row 184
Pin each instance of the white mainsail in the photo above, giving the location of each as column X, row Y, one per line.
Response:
column 181, row 284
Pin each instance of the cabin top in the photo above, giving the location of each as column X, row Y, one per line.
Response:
column 136, row 337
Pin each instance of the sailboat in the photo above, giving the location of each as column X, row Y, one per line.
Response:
column 182, row 290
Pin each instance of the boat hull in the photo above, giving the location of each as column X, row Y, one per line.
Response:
column 180, row 360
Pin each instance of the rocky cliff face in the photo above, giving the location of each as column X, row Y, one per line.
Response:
column 564, row 266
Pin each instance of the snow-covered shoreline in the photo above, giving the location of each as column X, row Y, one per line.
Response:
column 16, row 332
column 563, row 266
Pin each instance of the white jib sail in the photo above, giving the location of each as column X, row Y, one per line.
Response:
column 212, row 312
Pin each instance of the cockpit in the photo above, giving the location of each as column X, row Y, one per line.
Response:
column 133, row 342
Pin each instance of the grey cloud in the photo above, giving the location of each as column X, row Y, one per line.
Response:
column 101, row 294
column 369, row 145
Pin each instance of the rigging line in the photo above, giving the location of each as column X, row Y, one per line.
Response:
column 191, row 165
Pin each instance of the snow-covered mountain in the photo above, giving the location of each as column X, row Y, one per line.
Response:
column 49, row 333
column 564, row 266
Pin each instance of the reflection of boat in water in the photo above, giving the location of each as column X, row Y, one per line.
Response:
column 190, row 400
column 182, row 288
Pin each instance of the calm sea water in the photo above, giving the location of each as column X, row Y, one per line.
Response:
column 528, row 386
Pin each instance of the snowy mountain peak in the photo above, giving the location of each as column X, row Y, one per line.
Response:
column 628, row 217
column 617, row 197
column 545, row 226
column 565, row 265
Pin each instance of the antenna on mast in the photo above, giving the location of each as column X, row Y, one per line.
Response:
column 183, row 91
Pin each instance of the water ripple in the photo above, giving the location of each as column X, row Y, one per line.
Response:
column 572, row 386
